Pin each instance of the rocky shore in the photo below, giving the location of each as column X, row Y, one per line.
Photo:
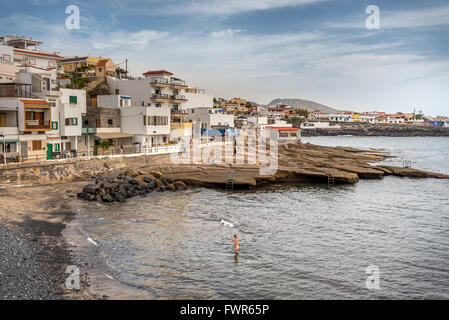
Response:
column 121, row 186
column 381, row 130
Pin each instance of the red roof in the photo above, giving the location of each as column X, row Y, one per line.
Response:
column 284, row 128
column 102, row 63
column 157, row 72
column 34, row 101
column 38, row 53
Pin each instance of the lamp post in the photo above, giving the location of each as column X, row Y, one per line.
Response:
column 4, row 148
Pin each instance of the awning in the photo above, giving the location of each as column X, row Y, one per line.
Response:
column 112, row 135
column 8, row 140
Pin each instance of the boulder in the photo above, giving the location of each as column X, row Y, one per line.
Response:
column 157, row 174
column 90, row 188
column 107, row 198
column 120, row 197
column 180, row 185
column 171, row 187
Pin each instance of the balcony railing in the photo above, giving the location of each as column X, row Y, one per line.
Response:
column 89, row 130
column 178, row 97
column 179, row 83
column 37, row 125
column 156, row 96
column 159, row 81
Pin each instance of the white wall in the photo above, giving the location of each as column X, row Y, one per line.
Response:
column 138, row 90
column 198, row 100
column 113, row 101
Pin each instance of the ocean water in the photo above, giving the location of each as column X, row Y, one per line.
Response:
column 296, row 241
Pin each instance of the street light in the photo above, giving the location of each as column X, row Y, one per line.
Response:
column 4, row 148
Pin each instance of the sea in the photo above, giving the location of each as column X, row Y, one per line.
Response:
column 377, row 239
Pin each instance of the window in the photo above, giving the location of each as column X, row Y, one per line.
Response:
column 117, row 91
column 86, row 122
column 144, row 120
column 37, row 145
column 32, row 61
column 51, row 64
column 73, row 99
column 158, row 105
column 71, row 121
column 110, row 122
column 54, row 125
column 57, row 147
column 6, row 57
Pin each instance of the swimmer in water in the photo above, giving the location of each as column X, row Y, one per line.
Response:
column 236, row 243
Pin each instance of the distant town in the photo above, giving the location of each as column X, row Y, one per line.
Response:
column 55, row 107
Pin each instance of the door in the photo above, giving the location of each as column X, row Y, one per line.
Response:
column 24, row 150
column 49, row 151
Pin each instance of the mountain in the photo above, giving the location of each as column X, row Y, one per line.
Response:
column 304, row 104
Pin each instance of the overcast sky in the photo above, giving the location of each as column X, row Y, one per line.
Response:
column 318, row 50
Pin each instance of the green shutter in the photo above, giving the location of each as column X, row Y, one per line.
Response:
column 57, row 147
column 54, row 125
column 73, row 99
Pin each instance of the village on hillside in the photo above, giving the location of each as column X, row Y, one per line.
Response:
column 55, row 107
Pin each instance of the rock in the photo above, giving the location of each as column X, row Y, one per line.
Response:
column 129, row 172
column 159, row 183
column 107, row 198
column 90, row 188
column 98, row 198
column 171, row 187
column 180, row 185
column 151, row 185
column 82, row 195
column 134, row 182
column 148, row 179
column 157, row 174
column 120, row 197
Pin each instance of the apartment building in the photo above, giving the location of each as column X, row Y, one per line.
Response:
column 161, row 98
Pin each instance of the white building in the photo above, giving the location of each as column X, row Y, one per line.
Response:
column 149, row 125
column 210, row 118
column 197, row 98
column 368, row 119
column 318, row 125
column 340, row 117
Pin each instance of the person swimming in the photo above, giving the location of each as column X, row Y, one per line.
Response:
column 236, row 243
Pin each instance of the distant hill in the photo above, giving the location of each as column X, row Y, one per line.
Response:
column 304, row 104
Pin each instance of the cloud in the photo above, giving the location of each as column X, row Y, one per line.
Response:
column 228, row 33
column 208, row 7
column 429, row 17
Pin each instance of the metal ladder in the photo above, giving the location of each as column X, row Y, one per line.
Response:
column 406, row 164
column 230, row 177
column 330, row 177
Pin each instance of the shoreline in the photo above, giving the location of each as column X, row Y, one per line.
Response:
column 42, row 221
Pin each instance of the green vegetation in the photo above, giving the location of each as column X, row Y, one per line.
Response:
column 302, row 112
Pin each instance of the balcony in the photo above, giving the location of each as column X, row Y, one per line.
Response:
column 159, row 82
column 177, row 84
column 178, row 98
column 37, row 125
column 160, row 97
column 89, row 130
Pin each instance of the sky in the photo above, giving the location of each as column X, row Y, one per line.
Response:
column 318, row 50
